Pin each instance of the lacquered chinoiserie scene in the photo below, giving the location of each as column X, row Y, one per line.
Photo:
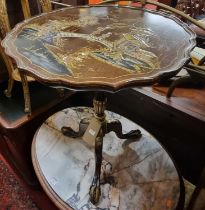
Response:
column 102, row 105
column 100, row 47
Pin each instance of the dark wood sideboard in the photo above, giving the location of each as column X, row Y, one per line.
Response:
column 178, row 123
column 17, row 128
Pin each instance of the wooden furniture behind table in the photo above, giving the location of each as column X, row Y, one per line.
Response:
column 17, row 129
column 178, row 123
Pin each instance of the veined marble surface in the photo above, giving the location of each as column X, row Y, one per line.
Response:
column 136, row 175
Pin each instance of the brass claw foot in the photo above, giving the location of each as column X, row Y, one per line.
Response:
column 95, row 191
column 116, row 127
column 27, row 110
column 7, row 93
column 27, row 100
column 68, row 131
column 95, row 194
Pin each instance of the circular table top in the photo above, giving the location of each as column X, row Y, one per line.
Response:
column 103, row 47
column 136, row 174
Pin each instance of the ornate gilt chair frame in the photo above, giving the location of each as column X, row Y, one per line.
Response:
column 46, row 5
column 13, row 72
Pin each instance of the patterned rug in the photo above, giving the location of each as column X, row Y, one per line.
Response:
column 13, row 196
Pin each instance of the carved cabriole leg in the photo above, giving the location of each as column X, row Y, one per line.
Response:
column 46, row 5
column 7, row 92
column 67, row 131
column 26, row 93
column 25, row 8
column 99, row 104
column 4, row 19
column 95, row 191
column 99, row 107
column 10, row 69
column 116, row 127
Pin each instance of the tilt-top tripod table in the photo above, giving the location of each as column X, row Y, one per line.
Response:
column 100, row 48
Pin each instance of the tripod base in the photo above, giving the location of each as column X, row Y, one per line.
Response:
column 93, row 133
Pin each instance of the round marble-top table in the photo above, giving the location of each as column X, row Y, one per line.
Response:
column 136, row 174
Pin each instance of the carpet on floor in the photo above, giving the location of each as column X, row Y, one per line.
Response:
column 12, row 194
column 16, row 195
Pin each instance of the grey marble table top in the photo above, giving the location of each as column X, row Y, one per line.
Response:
column 136, row 175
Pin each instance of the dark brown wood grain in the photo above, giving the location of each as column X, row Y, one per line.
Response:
column 178, row 123
column 185, row 100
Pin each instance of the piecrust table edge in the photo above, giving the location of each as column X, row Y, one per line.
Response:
column 60, row 81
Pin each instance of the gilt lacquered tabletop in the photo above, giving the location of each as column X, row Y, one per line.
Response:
column 105, row 47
